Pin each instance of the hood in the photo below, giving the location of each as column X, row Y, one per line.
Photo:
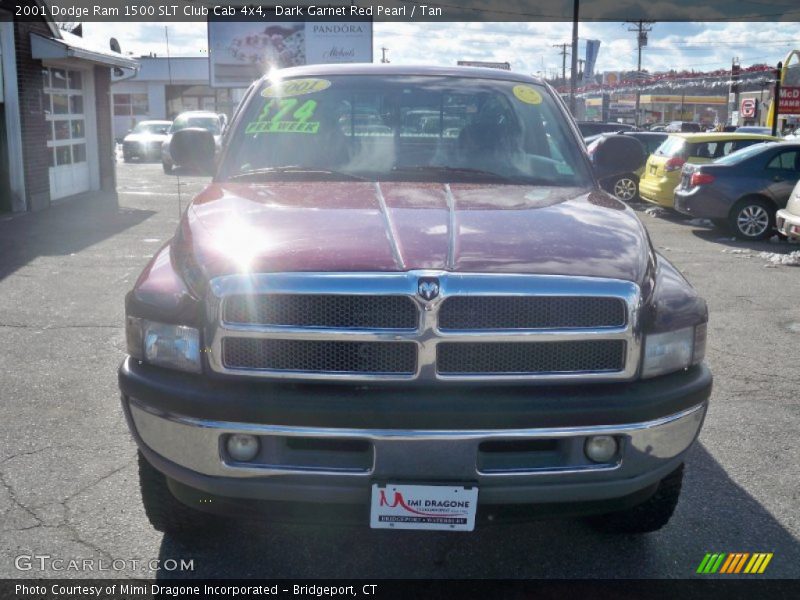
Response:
column 365, row 226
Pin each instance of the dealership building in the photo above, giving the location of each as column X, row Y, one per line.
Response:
column 164, row 87
column 55, row 115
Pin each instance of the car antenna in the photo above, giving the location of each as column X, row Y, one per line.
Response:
column 169, row 76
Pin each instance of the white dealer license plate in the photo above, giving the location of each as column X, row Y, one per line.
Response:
column 436, row 507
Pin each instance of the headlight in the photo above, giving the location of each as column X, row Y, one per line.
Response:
column 172, row 346
column 673, row 350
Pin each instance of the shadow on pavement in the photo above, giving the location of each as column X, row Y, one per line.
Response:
column 714, row 515
column 62, row 229
column 724, row 238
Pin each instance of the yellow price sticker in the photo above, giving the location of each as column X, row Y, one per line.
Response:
column 295, row 87
column 527, row 94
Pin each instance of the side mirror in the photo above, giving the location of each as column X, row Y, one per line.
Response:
column 614, row 155
column 193, row 148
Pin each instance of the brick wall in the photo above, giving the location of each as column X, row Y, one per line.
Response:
column 32, row 119
column 105, row 129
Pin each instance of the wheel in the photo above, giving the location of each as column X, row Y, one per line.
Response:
column 649, row 516
column 167, row 167
column 163, row 510
column 752, row 219
column 625, row 188
column 126, row 158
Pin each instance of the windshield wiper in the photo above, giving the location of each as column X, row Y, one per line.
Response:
column 266, row 172
column 470, row 172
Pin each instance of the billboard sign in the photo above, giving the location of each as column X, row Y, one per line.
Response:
column 241, row 52
column 748, row 108
column 790, row 101
column 592, row 49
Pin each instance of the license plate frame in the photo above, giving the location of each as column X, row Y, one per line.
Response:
column 423, row 507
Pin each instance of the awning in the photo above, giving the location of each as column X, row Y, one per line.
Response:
column 73, row 46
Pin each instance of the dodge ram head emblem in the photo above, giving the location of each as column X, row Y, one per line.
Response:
column 428, row 288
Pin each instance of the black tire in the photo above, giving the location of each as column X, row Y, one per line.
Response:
column 625, row 188
column 752, row 219
column 164, row 511
column 126, row 158
column 651, row 515
column 167, row 167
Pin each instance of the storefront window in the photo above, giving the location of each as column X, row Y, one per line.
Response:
column 75, row 80
column 63, row 155
column 60, row 104
column 62, row 130
column 127, row 105
column 78, row 129
column 58, row 78
column 79, row 153
column 64, row 102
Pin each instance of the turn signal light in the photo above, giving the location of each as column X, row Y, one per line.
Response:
column 699, row 178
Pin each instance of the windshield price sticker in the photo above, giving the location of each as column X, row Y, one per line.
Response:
column 299, row 121
column 432, row 507
column 527, row 94
column 295, row 87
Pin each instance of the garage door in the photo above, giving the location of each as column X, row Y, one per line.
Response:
column 66, row 141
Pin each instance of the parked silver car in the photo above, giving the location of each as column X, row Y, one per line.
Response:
column 144, row 141
column 192, row 119
column 787, row 220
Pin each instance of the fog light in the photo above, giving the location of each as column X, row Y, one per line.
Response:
column 601, row 448
column 242, row 447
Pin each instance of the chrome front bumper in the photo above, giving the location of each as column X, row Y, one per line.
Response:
column 192, row 451
column 788, row 223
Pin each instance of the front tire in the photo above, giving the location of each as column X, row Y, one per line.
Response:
column 625, row 188
column 649, row 516
column 163, row 510
column 752, row 219
column 167, row 167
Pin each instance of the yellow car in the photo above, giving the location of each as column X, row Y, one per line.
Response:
column 662, row 173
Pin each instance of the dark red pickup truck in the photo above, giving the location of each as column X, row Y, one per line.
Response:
column 405, row 298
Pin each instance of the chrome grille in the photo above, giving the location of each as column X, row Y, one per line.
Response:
column 323, row 310
column 376, row 326
column 530, row 312
column 453, row 358
column 319, row 356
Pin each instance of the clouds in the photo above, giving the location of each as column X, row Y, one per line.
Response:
column 527, row 46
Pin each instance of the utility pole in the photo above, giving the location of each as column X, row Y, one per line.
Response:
column 383, row 57
column 641, row 28
column 574, row 65
column 563, row 54
column 733, row 92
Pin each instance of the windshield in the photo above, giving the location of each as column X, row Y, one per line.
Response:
column 210, row 122
column 407, row 128
column 145, row 127
column 740, row 155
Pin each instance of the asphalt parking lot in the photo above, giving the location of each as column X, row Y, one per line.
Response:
column 68, row 475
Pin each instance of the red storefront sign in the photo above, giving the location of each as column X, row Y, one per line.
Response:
column 748, row 108
column 790, row 101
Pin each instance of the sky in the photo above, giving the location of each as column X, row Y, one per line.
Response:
column 527, row 46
